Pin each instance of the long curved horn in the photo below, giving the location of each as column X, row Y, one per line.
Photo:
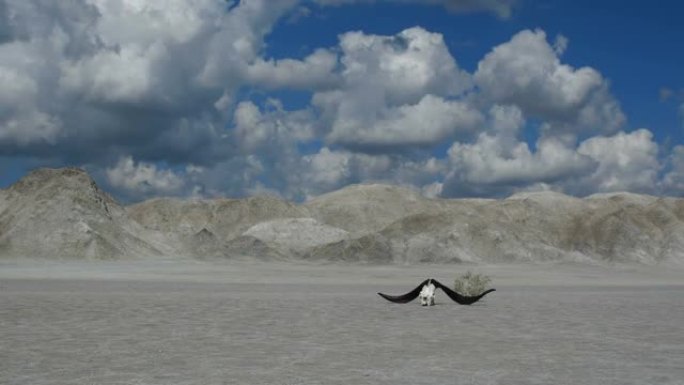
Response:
column 408, row 297
column 459, row 298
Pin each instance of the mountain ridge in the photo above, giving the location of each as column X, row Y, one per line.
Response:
column 62, row 213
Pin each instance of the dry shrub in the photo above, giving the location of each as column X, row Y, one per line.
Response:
column 471, row 284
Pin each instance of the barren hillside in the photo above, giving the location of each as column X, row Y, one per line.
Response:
column 57, row 213
column 62, row 213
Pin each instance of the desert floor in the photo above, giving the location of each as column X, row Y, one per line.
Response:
column 170, row 322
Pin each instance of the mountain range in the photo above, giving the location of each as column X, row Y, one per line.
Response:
column 63, row 214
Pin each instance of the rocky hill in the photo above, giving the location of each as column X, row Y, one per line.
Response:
column 211, row 228
column 363, row 209
column 63, row 214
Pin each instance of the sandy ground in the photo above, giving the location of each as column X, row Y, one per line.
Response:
column 169, row 322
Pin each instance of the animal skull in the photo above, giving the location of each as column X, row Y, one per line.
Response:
column 427, row 295
column 426, row 292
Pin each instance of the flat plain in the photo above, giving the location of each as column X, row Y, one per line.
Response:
column 170, row 322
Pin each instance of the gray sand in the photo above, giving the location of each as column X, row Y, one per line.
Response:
column 250, row 323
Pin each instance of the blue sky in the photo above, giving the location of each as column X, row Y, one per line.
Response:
column 638, row 48
column 297, row 98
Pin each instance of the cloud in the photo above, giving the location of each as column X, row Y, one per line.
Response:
column 426, row 123
column 560, row 44
column 673, row 180
column 432, row 190
column 489, row 161
column 270, row 159
column 5, row 26
column 527, row 72
column 501, row 8
column 329, row 170
column 166, row 105
column 630, row 164
column 497, row 162
column 420, row 88
column 82, row 81
column 265, row 132
column 396, row 91
column 21, row 122
column 144, row 178
column 405, row 66
column 315, row 72
column 480, row 169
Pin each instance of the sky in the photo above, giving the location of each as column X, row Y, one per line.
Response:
column 296, row 98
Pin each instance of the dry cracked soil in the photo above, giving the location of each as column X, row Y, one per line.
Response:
column 255, row 323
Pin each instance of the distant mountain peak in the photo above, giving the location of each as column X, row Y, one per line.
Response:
column 63, row 213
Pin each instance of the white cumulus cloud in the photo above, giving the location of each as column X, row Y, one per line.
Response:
column 428, row 122
column 673, row 180
column 527, row 72
column 314, row 72
column 140, row 76
column 143, row 178
column 626, row 162
column 180, row 97
column 396, row 91
column 498, row 162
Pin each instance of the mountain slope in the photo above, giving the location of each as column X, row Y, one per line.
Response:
column 61, row 213
column 534, row 227
column 361, row 209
